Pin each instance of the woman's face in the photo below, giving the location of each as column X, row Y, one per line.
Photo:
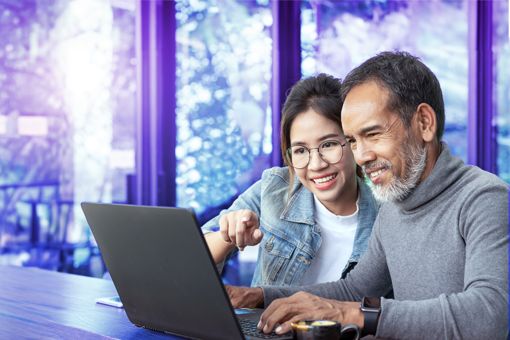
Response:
column 328, row 182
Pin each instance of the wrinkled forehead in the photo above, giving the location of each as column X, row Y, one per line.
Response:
column 365, row 105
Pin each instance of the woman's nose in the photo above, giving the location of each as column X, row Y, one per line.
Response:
column 316, row 161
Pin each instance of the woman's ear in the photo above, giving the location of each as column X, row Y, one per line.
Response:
column 425, row 117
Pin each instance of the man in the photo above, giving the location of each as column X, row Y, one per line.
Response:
column 441, row 239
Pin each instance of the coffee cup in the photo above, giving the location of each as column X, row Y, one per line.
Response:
column 324, row 330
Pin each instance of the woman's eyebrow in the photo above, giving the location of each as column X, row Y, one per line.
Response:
column 328, row 136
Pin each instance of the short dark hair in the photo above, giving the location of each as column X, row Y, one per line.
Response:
column 409, row 83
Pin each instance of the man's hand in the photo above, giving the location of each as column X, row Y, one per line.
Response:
column 244, row 297
column 304, row 306
column 240, row 228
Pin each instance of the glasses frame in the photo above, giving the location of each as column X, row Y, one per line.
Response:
column 289, row 150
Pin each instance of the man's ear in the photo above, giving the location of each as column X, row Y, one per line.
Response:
column 425, row 117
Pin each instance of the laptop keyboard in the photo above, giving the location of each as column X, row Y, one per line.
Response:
column 249, row 328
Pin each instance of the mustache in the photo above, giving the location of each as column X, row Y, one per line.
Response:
column 376, row 164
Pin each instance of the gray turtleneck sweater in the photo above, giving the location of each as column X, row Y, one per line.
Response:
column 444, row 249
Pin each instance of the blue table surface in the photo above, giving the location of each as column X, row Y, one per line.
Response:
column 41, row 304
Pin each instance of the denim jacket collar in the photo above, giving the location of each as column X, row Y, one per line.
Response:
column 300, row 209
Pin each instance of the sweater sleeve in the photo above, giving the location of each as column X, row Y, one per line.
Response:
column 370, row 277
column 480, row 310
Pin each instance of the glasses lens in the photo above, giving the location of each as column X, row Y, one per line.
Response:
column 331, row 151
column 299, row 156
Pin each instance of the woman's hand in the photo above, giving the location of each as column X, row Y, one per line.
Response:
column 240, row 228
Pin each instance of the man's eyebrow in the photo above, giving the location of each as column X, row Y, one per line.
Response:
column 370, row 128
column 366, row 130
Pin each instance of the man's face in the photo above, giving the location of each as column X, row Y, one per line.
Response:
column 391, row 155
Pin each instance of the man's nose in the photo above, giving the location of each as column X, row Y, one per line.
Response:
column 364, row 154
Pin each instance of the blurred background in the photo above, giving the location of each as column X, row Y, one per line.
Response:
column 177, row 103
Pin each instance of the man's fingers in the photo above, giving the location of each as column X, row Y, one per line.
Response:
column 280, row 313
column 280, row 316
column 284, row 327
column 287, row 326
column 244, row 296
column 273, row 306
column 233, row 294
column 296, row 307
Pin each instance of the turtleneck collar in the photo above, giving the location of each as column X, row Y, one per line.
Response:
column 447, row 170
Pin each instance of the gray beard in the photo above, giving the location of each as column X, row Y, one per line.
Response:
column 400, row 188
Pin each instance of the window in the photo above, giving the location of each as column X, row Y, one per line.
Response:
column 223, row 99
column 338, row 36
column 501, row 50
column 67, row 112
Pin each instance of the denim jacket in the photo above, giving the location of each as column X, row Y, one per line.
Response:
column 291, row 237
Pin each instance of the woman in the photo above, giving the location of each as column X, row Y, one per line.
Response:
column 312, row 219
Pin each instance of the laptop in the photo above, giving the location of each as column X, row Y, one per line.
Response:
column 164, row 273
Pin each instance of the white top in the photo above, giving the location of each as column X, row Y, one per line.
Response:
column 337, row 234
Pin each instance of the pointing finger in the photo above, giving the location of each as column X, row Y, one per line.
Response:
column 224, row 228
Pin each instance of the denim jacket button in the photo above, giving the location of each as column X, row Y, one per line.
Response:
column 269, row 246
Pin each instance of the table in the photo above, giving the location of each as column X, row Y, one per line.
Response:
column 41, row 304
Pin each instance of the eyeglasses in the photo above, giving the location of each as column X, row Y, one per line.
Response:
column 330, row 151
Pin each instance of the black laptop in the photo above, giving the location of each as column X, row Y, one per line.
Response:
column 164, row 274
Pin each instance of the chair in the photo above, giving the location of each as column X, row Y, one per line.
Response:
column 49, row 246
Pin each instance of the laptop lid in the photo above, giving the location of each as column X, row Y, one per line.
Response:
column 162, row 269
